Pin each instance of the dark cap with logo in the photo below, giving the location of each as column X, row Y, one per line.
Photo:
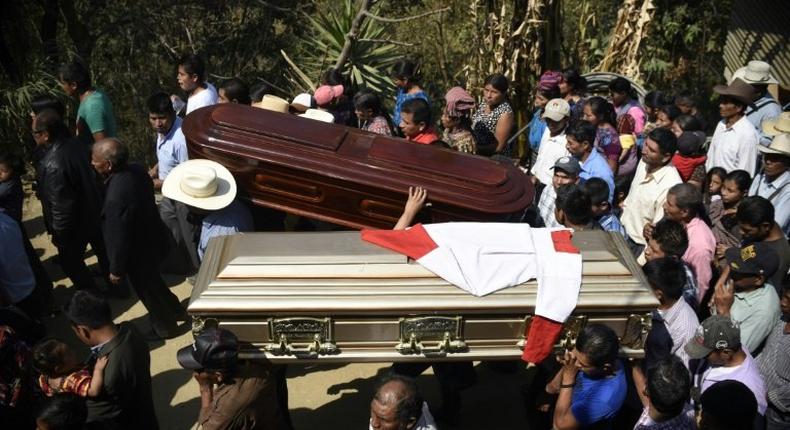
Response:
column 568, row 164
column 716, row 333
column 214, row 348
column 755, row 259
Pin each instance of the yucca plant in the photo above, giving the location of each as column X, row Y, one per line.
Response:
column 372, row 53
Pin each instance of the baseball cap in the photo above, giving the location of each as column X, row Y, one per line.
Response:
column 557, row 109
column 715, row 333
column 568, row 164
column 302, row 102
column 214, row 348
column 755, row 259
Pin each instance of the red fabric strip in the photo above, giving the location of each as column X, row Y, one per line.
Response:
column 562, row 242
column 414, row 242
column 542, row 336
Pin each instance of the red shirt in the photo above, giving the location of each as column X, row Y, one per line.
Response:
column 426, row 137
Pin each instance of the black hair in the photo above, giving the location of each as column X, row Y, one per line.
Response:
column 45, row 101
column 685, row 98
column 582, row 131
column 116, row 153
column 64, row 412
column 259, row 90
column 671, row 111
column 50, row 121
column 13, row 162
column 552, row 93
column 160, row 104
column 666, row 140
column 728, row 405
column 419, row 109
column 333, row 76
column 47, row 355
column 573, row 78
column 574, row 203
column 88, row 309
column 599, row 343
column 654, row 99
column 410, row 405
column 603, row 110
column 622, row 184
column 406, row 69
column 597, row 189
column 368, row 100
column 620, row 85
column 671, row 237
column 236, row 89
column 689, row 197
column 755, row 210
column 741, row 178
column 666, row 275
column 193, row 64
column 669, row 386
column 716, row 171
column 498, row 81
column 688, row 123
column 77, row 73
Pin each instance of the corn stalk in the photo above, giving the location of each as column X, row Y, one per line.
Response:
column 632, row 25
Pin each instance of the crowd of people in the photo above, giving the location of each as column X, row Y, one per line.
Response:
column 709, row 219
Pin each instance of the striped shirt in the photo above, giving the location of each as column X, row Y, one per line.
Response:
column 774, row 364
column 681, row 322
column 609, row 222
column 686, row 420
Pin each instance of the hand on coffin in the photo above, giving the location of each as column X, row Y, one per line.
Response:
column 570, row 368
column 416, row 201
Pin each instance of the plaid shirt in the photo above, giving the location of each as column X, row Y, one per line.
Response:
column 546, row 204
column 685, row 421
column 609, row 222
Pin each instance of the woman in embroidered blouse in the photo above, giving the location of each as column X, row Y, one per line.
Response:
column 370, row 116
column 492, row 123
column 61, row 372
column 573, row 87
column 406, row 78
column 600, row 113
column 456, row 120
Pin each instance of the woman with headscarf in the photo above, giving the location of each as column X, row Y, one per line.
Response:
column 492, row 123
column 548, row 89
column 457, row 122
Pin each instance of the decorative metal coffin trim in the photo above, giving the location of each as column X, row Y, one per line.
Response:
column 302, row 337
column 448, row 331
column 570, row 331
column 636, row 329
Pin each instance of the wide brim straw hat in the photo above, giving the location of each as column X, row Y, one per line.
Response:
column 273, row 103
column 756, row 72
column 737, row 89
column 203, row 184
column 777, row 126
column 318, row 115
column 780, row 145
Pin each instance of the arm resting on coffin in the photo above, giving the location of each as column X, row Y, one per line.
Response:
column 416, row 201
column 563, row 415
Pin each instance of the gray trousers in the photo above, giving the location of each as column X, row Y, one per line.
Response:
column 183, row 257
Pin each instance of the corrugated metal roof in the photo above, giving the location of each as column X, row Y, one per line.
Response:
column 759, row 30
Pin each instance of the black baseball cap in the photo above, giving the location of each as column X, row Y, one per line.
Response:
column 568, row 164
column 716, row 333
column 214, row 348
column 755, row 259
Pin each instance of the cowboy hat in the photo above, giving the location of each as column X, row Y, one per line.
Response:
column 738, row 90
column 756, row 72
column 777, row 126
column 203, row 184
column 318, row 115
column 780, row 145
column 273, row 103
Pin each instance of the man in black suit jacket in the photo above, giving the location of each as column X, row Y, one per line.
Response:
column 70, row 198
column 135, row 234
column 125, row 401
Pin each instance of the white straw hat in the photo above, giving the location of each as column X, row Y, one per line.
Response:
column 777, row 126
column 756, row 72
column 780, row 145
column 203, row 184
column 273, row 103
column 318, row 115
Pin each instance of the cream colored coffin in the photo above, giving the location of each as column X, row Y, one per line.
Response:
column 331, row 297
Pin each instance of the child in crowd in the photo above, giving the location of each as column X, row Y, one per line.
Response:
column 666, row 115
column 723, row 211
column 622, row 186
column 670, row 239
column 598, row 191
column 687, row 105
column 689, row 160
column 370, row 116
column 457, row 121
column 654, row 100
column 11, row 194
column 628, row 155
column 714, row 180
column 61, row 372
column 685, row 123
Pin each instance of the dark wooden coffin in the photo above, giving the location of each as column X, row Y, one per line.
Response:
column 348, row 176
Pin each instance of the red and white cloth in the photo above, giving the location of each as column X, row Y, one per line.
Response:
column 485, row 257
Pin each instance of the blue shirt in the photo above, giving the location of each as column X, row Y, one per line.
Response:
column 16, row 276
column 229, row 220
column 401, row 98
column 171, row 149
column 536, row 128
column 610, row 222
column 596, row 400
column 596, row 167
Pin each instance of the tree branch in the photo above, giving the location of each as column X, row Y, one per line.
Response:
column 408, row 18
column 394, row 42
column 352, row 34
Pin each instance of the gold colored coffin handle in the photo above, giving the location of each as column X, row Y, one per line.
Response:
column 567, row 340
column 636, row 329
column 447, row 331
column 314, row 334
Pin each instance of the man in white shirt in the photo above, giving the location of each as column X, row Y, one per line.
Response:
column 773, row 183
column 552, row 144
column 734, row 143
column 192, row 79
column 654, row 176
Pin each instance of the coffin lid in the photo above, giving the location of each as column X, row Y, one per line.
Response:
column 329, row 273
